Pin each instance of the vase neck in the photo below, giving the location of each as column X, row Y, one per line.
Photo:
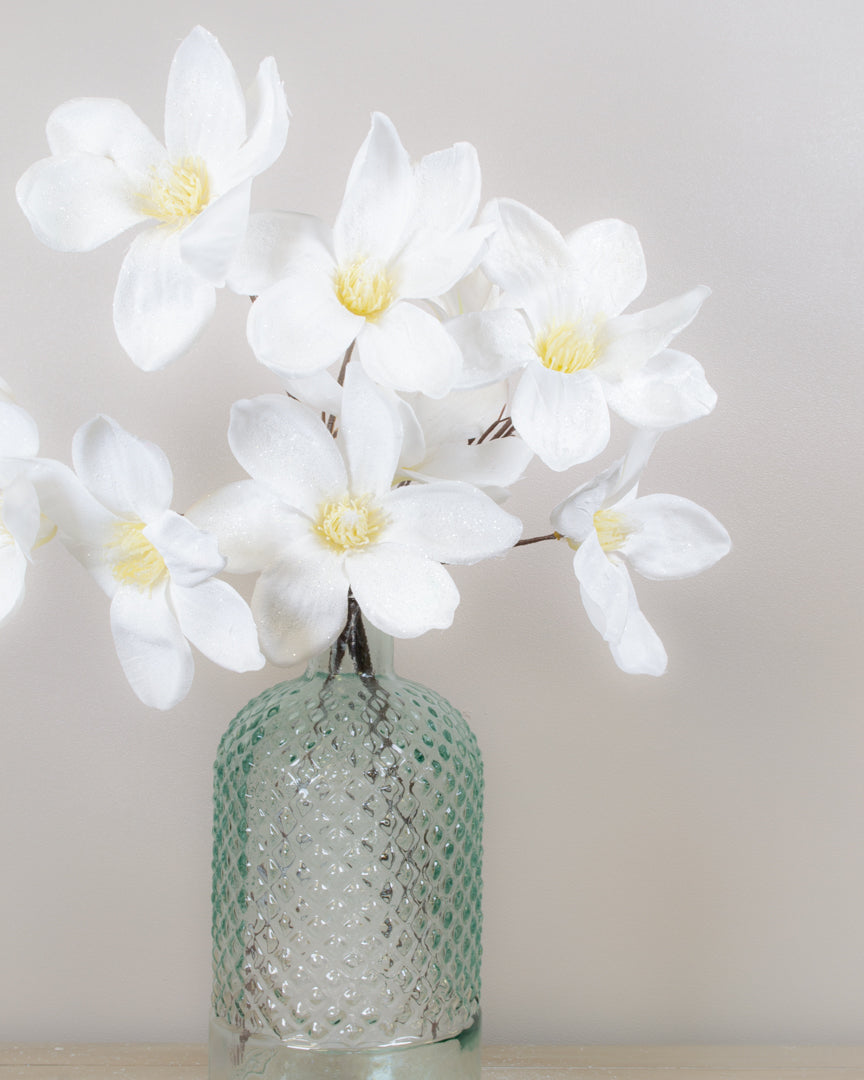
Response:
column 361, row 649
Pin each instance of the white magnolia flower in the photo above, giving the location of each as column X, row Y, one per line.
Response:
column 22, row 526
column 156, row 566
column 318, row 524
column 580, row 355
column 660, row 536
column 107, row 173
column 402, row 235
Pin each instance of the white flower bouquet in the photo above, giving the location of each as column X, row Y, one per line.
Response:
column 423, row 351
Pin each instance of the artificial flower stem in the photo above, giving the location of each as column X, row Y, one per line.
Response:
column 348, row 351
column 537, row 539
column 501, row 419
column 353, row 639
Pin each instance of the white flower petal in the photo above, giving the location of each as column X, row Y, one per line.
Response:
column 494, row 344
column 625, row 476
column 563, row 418
column 210, row 241
column 408, row 349
column 218, row 622
column 574, row 516
column 462, row 415
column 160, row 305
column 639, row 651
column 251, row 524
column 450, row 522
column 300, row 603
column 401, row 591
column 553, row 304
column 475, row 292
column 320, row 391
column 191, row 555
column 370, row 432
column 155, row 655
column 205, row 110
column 448, row 189
column 526, row 252
column 20, row 513
column 298, row 327
column 83, row 523
column 274, row 242
column 284, row 446
column 631, row 340
column 19, row 436
column 608, row 266
column 605, row 588
column 379, row 197
column 430, row 264
column 413, row 438
column 76, row 202
column 268, row 127
column 12, row 468
column 13, row 568
column 129, row 476
column 673, row 537
column 106, row 128
column 671, row 389
column 496, row 464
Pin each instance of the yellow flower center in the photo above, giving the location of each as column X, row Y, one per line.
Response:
column 178, row 193
column 612, row 529
column 135, row 560
column 349, row 524
column 364, row 287
column 566, row 348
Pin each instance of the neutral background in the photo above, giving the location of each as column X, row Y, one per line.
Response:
column 666, row 860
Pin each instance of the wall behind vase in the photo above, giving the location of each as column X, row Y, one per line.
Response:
column 672, row 860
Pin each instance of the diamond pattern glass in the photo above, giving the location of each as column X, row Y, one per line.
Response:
column 346, row 880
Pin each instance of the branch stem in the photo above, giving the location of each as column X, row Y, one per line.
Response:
column 537, row 539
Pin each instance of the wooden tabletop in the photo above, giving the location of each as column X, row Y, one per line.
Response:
column 173, row 1062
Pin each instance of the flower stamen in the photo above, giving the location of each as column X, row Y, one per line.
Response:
column 47, row 532
column 177, row 194
column 349, row 524
column 364, row 288
column 566, row 348
column 135, row 559
column 612, row 529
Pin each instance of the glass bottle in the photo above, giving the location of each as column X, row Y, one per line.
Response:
column 347, row 878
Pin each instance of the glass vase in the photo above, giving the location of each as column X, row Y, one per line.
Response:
column 347, row 878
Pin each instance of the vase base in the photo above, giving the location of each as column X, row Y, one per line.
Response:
column 267, row 1058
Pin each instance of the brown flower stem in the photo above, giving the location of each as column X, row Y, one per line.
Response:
column 352, row 640
column 537, row 539
column 348, row 352
column 491, row 427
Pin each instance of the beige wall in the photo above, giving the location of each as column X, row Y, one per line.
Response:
column 668, row 860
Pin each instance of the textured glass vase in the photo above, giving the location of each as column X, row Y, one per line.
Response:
column 346, row 878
